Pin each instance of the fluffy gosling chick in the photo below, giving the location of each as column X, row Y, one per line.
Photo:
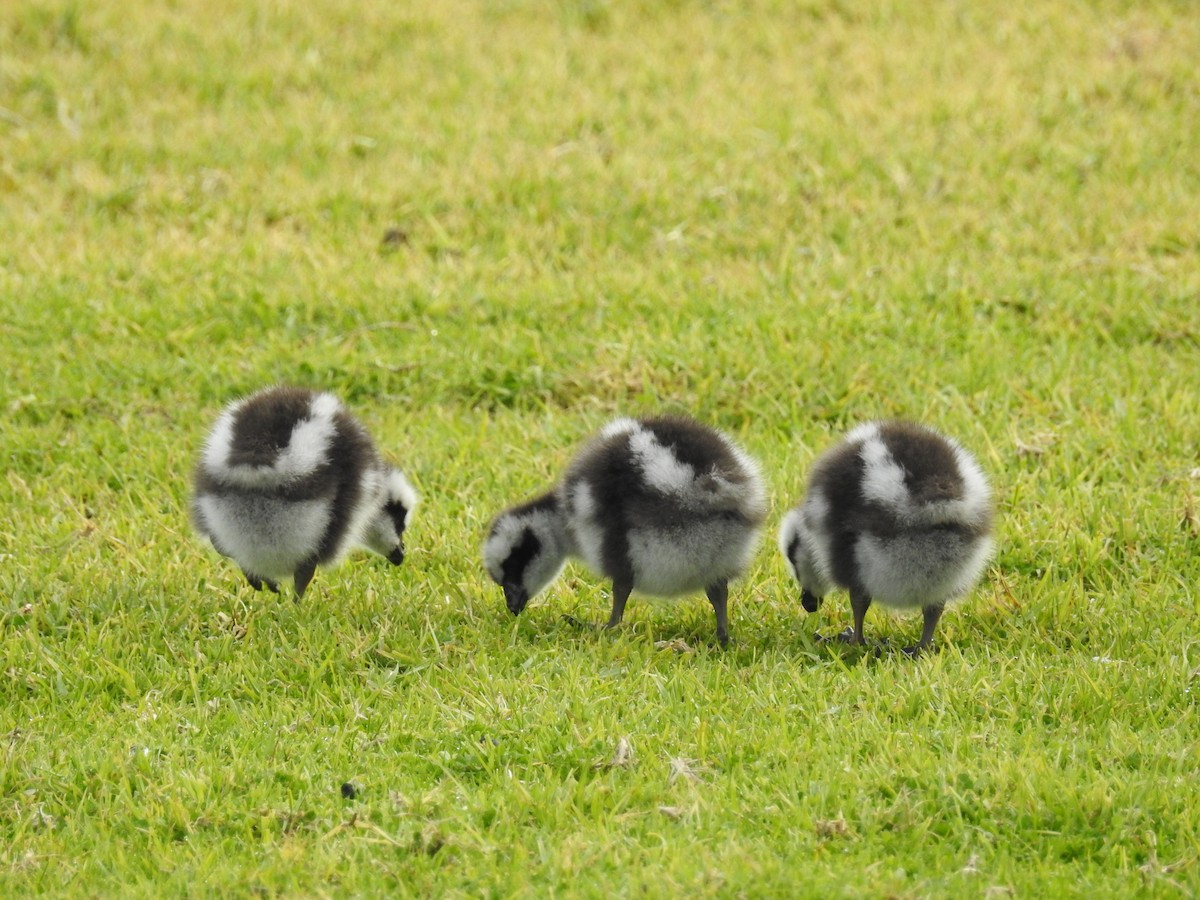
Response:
column 665, row 506
column 897, row 513
column 288, row 480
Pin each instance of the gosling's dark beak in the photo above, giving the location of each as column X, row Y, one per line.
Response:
column 516, row 597
column 397, row 555
column 810, row 601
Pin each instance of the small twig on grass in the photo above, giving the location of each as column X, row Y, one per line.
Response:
column 683, row 768
column 679, row 645
column 622, row 756
column 828, row 828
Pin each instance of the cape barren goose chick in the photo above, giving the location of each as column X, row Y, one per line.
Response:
column 896, row 513
column 289, row 481
column 664, row 506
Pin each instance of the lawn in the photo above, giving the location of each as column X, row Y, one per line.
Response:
column 490, row 227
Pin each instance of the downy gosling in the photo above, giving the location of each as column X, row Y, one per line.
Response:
column 664, row 506
column 288, row 480
column 896, row 513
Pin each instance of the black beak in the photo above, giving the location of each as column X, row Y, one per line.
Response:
column 810, row 601
column 516, row 597
column 397, row 555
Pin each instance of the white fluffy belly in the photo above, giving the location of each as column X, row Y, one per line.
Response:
column 268, row 537
column 921, row 569
column 684, row 560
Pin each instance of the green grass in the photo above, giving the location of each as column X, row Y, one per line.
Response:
column 783, row 218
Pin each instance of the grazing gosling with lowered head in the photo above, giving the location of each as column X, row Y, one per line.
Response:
column 288, row 480
column 897, row 513
column 664, row 506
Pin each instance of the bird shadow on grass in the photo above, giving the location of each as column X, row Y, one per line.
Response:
column 698, row 640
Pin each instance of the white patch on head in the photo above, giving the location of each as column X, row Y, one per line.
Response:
column 370, row 525
column 398, row 490
column 267, row 536
column 508, row 532
column 883, row 477
column 498, row 546
column 661, row 469
column 809, row 560
column 789, row 528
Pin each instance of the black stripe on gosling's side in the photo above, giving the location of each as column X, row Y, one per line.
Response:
column 838, row 477
column 351, row 453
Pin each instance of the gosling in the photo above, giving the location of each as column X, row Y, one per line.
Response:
column 664, row 506
column 897, row 513
column 288, row 480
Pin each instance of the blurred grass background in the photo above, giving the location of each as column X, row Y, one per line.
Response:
column 490, row 227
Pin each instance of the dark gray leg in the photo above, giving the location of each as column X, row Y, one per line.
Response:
column 931, row 614
column 304, row 574
column 621, row 591
column 258, row 583
column 860, row 602
column 718, row 596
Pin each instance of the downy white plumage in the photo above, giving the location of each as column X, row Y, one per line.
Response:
column 288, row 480
column 665, row 506
column 897, row 513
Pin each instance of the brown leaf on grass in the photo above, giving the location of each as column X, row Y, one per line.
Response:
column 1002, row 594
column 622, row 756
column 686, row 769
column 393, row 238
column 430, row 839
column 231, row 626
column 1133, row 43
column 1037, row 444
column 1153, row 867
column 679, row 645
column 828, row 828
column 1191, row 516
column 673, row 812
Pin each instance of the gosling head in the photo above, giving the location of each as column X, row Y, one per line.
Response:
column 385, row 530
column 796, row 542
column 525, row 550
